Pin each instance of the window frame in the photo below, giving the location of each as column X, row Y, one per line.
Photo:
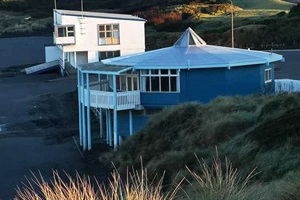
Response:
column 157, row 73
column 106, row 31
column 66, row 31
column 268, row 75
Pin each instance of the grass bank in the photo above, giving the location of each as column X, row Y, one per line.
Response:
column 261, row 132
column 234, row 148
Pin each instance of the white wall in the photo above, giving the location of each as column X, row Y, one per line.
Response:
column 52, row 53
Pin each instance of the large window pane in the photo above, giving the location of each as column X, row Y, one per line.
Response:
column 101, row 28
column 102, row 35
column 70, row 28
column 61, row 32
column 154, row 71
column 148, row 83
column 173, row 84
column 165, row 84
column 108, row 27
column 164, row 71
column 173, row 71
column 116, row 27
column 155, row 84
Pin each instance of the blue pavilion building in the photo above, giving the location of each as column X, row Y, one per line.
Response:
column 128, row 89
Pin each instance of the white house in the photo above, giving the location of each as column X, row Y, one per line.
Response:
column 84, row 37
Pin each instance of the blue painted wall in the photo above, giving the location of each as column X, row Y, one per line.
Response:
column 202, row 84
column 139, row 122
column 243, row 80
column 206, row 84
column 159, row 100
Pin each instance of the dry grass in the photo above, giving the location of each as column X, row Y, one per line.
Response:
column 136, row 187
column 218, row 181
column 210, row 183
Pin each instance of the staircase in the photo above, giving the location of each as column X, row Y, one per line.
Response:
column 42, row 67
column 70, row 70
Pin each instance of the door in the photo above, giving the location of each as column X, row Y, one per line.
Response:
column 132, row 82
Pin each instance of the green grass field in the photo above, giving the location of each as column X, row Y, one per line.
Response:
column 262, row 4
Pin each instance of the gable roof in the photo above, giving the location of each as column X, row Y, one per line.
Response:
column 99, row 15
column 190, row 51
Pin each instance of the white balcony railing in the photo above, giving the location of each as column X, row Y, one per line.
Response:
column 102, row 99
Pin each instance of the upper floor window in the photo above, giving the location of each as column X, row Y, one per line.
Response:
column 268, row 75
column 108, row 54
column 65, row 31
column 109, row 34
column 160, row 80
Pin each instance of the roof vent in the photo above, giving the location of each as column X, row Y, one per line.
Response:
column 189, row 38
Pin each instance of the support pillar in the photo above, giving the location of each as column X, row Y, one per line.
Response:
column 101, row 122
column 89, row 136
column 115, row 113
column 84, row 142
column 75, row 59
column 130, row 123
column 109, row 129
column 100, row 111
column 79, row 85
column 107, row 126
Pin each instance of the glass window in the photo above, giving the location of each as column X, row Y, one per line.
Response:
column 268, row 75
column 65, row 31
column 155, row 83
column 164, row 71
column 108, row 54
column 163, row 80
column 109, row 34
column 61, row 32
column 165, row 86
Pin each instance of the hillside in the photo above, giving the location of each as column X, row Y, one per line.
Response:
column 258, row 24
column 266, row 4
column 254, row 132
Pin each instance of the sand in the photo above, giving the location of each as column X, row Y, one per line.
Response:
column 39, row 119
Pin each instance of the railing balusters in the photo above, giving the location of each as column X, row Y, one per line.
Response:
column 104, row 99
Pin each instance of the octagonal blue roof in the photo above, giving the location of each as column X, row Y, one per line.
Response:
column 191, row 51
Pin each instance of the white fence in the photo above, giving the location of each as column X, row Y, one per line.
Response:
column 103, row 99
column 287, row 85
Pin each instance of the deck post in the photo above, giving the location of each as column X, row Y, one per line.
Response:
column 75, row 59
column 115, row 113
column 83, row 114
column 79, row 85
column 107, row 131
column 88, row 112
column 101, row 122
column 100, row 111
column 130, row 123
